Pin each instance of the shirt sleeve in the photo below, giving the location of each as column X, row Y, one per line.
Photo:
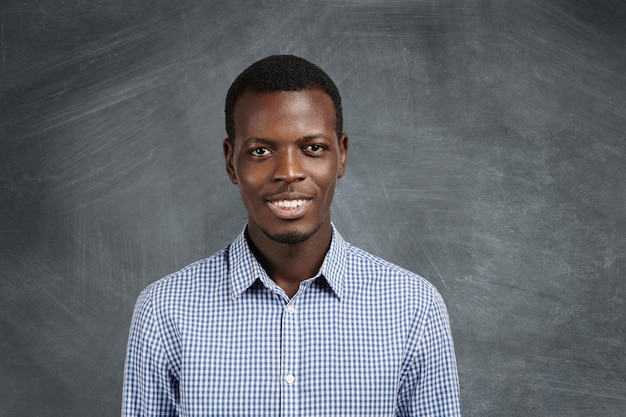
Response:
column 429, row 383
column 150, row 388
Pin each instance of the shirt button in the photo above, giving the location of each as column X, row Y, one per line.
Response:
column 289, row 379
column 291, row 309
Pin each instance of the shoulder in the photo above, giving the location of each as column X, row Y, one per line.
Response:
column 199, row 276
column 389, row 280
column 363, row 263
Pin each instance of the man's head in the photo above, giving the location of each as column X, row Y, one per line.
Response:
column 281, row 73
column 283, row 149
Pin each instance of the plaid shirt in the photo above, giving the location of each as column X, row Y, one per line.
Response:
column 219, row 338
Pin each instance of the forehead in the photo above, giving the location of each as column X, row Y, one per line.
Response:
column 283, row 110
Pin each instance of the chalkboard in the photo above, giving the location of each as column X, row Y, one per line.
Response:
column 488, row 154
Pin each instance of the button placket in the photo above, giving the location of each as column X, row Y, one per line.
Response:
column 290, row 355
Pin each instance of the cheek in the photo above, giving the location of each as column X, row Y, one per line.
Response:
column 251, row 184
column 247, row 189
column 249, row 175
column 327, row 183
column 331, row 174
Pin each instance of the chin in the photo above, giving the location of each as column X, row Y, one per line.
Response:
column 291, row 236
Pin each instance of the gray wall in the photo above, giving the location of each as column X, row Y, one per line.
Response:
column 487, row 154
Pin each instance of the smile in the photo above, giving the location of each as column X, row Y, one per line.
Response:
column 289, row 204
column 290, row 209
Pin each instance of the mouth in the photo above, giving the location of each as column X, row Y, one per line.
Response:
column 290, row 204
column 289, row 209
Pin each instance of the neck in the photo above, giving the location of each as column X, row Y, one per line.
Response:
column 288, row 264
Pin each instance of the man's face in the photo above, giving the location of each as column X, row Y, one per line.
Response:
column 286, row 159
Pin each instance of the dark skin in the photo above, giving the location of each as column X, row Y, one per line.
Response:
column 286, row 159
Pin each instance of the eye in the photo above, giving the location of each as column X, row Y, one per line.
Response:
column 314, row 148
column 260, row 152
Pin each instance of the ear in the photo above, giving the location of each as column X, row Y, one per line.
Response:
column 343, row 153
column 228, row 156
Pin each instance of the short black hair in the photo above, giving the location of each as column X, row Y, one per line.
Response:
column 281, row 73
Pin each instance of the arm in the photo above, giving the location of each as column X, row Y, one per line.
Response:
column 429, row 383
column 150, row 388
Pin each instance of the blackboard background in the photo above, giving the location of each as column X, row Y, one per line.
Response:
column 487, row 154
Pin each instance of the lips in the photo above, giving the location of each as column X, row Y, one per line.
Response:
column 289, row 207
column 289, row 204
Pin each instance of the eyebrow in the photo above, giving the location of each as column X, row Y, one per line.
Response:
column 267, row 141
column 314, row 136
column 258, row 140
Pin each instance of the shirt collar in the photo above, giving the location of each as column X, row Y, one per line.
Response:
column 245, row 269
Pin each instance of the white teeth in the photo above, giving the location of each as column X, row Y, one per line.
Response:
column 289, row 204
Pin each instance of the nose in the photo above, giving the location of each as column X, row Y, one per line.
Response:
column 289, row 166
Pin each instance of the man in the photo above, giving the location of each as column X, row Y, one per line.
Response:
column 289, row 319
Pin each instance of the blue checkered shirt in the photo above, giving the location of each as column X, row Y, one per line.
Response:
column 219, row 338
